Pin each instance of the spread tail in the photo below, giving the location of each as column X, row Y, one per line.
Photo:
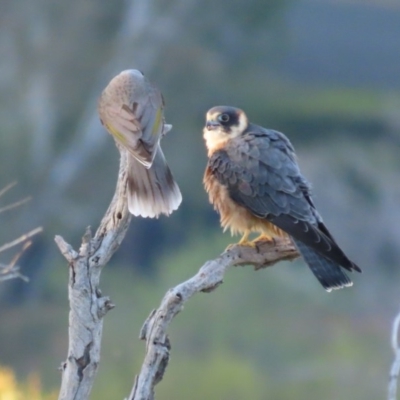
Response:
column 152, row 191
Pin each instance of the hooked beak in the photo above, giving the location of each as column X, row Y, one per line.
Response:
column 211, row 125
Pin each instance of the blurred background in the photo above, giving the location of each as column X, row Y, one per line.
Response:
column 324, row 72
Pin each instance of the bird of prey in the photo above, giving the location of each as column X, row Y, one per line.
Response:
column 132, row 111
column 254, row 182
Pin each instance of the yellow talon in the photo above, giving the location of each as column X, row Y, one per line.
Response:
column 263, row 238
column 245, row 238
column 244, row 241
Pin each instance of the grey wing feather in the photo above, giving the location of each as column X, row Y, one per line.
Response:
column 149, row 113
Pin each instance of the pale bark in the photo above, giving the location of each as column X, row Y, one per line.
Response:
column 209, row 277
column 87, row 305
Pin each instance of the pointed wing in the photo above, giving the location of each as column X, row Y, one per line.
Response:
column 261, row 173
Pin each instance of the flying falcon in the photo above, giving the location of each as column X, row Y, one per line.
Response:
column 132, row 110
column 254, row 182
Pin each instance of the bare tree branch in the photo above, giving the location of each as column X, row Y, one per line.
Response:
column 87, row 305
column 15, row 204
column 395, row 369
column 21, row 239
column 7, row 273
column 11, row 270
column 7, row 188
column 209, row 277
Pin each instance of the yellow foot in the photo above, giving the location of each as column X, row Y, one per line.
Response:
column 244, row 241
column 263, row 238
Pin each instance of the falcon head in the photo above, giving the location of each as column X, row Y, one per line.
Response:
column 222, row 124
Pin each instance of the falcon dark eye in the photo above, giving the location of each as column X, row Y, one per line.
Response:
column 224, row 118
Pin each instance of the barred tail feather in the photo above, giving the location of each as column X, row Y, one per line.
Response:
column 329, row 273
column 152, row 191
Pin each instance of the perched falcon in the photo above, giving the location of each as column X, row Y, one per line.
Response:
column 132, row 110
column 254, row 182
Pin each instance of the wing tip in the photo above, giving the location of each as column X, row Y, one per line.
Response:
column 357, row 268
